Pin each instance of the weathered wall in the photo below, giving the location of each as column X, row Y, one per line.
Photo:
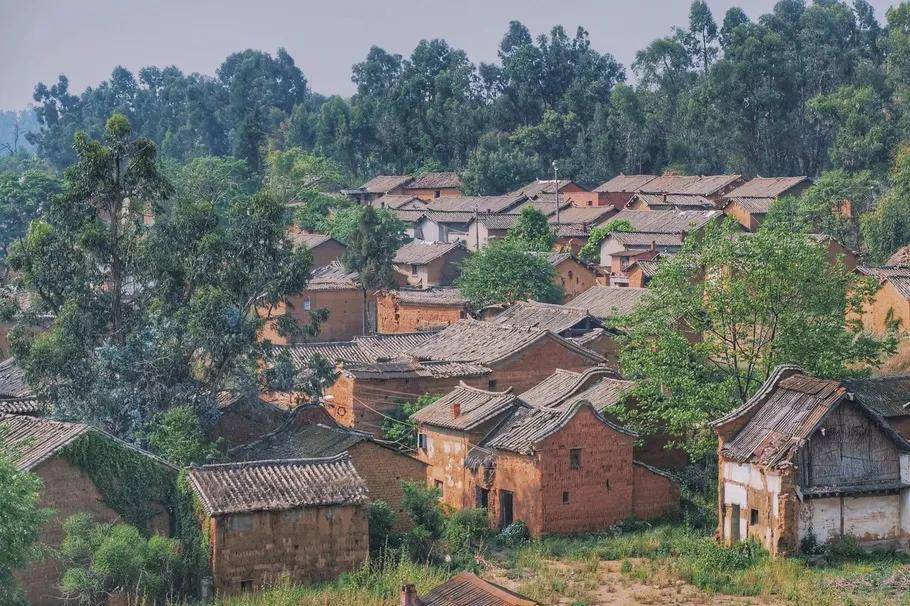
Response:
column 345, row 319
column 520, row 476
column 325, row 253
column 428, row 195
column 66, row 490
column 653, row 495
column 307, row 545
column 444, row 454
column 886, row 308
column 384, row 469
column 393, row 316
column 574, row 278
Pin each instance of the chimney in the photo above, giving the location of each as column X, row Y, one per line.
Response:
column 409, row 595
column 653, row 244
column 456, row 410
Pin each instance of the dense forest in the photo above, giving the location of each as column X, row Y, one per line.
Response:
column 802, row 89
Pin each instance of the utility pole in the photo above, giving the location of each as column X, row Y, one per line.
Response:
column 556, row 185
column 476, row 227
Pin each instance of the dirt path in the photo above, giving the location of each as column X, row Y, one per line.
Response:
column 579, row 583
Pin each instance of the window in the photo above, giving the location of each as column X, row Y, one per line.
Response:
column 436, row 193
column 753, row 517
column 307, row 304
column 575, row 458
column 481, row 497
column 241, row 522
column 607, row 484
column 422, row 441
column 413, row 269
column 437, row 484
column 491, row 385
column 565, row 497
column 246, row 585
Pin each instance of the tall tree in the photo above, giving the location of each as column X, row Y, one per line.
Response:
column 506, row 272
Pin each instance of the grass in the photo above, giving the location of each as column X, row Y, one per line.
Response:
column 569, row 570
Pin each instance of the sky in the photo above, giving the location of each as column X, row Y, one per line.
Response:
column 86, row 39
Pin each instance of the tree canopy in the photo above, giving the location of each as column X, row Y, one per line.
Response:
column 506, row 272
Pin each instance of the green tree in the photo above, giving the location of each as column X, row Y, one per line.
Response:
column 498, row 166
column 217, row 180
column 294, row 174
column 177, row 436
column 398, row 426
column 532, row 231
column 21, row 519
column 723, row 313
column 102, row 560
column 887, row 226
column 370, row 251
column 147, row 316
column 23, row 197
column 504, row 272
column 591, row 250
column 858, row 123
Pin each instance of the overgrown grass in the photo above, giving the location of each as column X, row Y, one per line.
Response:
column 666, row 553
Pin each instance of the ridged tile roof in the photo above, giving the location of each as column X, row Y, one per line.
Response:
column 468, row 204
column 398, row 202
column 766, row 187
column 695, row 185
column 679, row 201
column 333, row 277
column 753, row 206
column 591, row 215
column 625, row 183
column 12, row 380
column 545, row 203
column 277, row 485
column 602, row 385
column 467, row 589
column 900, row 258
column 549, row 316
column 442, row 295
column 898, row 277
column 297, row 440
column 666, row 221
column 541, row 186
column 474, row 407
column 367, row 348
column 25, row 406
column 435, row 181
column 421, row 253
column 636, row 239
column 609, row 301
column 381, row 184
column 310, row 241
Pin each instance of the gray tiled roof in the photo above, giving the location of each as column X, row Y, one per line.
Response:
column 12, row 380
column 666, row 221
column 277, row 485
column 900, row 258
column 421, row 253
column 296, row 440
column 601, row 386
column 399, row 202
column 443, row 295
column 404, row 368
column 625, row 183
column 381, row 184
column 636, row 239
column 766, row 187
column 435, row 181
column 753, row 206
column 680, row 201
column 898, row 277
column 25, row 406
column 697, row 185
column 466, row 589
column 609, row 301
column 468, row 204
column 552, row 317
column 540, row 186
column 333, row 277
column 367, row 348
column 475, row 407
column 591, row 215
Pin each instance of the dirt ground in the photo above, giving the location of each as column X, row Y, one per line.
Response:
column 612, row 587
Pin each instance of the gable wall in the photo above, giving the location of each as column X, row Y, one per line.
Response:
column 384, row 470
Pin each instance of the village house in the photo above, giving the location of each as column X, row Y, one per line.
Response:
column 478, row 353
column 441, row 225
column 571, row 191
column 808, row 459
column 464, row 589
column 304, row 520
column 485, row 229
column 331, row 288
column 609, row 302
column 49, row 450
column 393, row 202
column 889, row 309
column 426, row 264
column 641, row 201
column 381, row 465
column 430, row 186
column 324, row 248
column 620, row 250
column 572, row 275
column 547, row 457
column 750, row 202
column 410, row 310
column 642, row 268
column 620, row 190
column 379, row 186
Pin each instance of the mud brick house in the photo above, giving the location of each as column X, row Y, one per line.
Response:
column 572, row 323
column 53, row 451
column 642, row 201
column 399, row 202
column 811, row 457
column 900, row 258
column 442, row 226
column 379, row 186
column 409, row 310
column 572, row 275
column 324, row 248
column 487, row 228
column 300, row 519
column 889, row 309
column 577, row 215
column 543, row 203
column 749, row 203
column 546, row 457
column 430, row 186
column 608, row 302
column 381, row 465
column 571, row 191
column 464, row 589
column 425, row 264
column 478, row 353
column 332, row 288
column 243, row 418
column 642, row 269
column 618, row 191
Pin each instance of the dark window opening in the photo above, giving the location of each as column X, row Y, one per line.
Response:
column 575, row 458
column 481, row 497
column 565, row 497
column 491, row 385
column 437, row 484
column 436, row 193
column 246, row 585
column 753, row 517
column 422, row 441
column 607, row 484
column 413, row 269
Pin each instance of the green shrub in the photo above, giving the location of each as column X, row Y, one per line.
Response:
column 466, row 533
column 422, row 505
column 381, row 521
column 514, row 534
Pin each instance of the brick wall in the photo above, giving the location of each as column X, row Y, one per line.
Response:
column 887, row 305
column 67, row 490
column 325, row 253
column 574, row 278
column 306, row 545
column 445, row 455
column 384, row 469
column 393, row 317
column 345, row 319
column 428, row 195
column 653, row 495
column 519, row 476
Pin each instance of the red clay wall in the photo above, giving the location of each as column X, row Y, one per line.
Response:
column 887, row 305
column 428, row 195
column 574, row 278
column 392, row 316
column 327, row 252
column 345, row 319
column 384, row 470
column 306, row 545
column 653, row 495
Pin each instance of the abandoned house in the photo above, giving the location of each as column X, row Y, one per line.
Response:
column 324, row 248
column 889, row 309
column 55, row 451
column 479, row 353
column 409, row 310
column 546, row 457
column 808, row 459
column 572, row 275
column 331, row 288
column 426, row 264
column 304, row 520
column 464, row 589
column 381, row 465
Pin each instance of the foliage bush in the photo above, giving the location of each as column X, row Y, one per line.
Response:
column 102, row 560
column 399, row 428
column 177, row 436
column 466, row 534
column 515, row 534
column 381, row 521
column 423, row 507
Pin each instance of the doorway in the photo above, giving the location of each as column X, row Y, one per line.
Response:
column 734, row 524
column 505, row 508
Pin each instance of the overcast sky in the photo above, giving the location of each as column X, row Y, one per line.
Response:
column 86, row 39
